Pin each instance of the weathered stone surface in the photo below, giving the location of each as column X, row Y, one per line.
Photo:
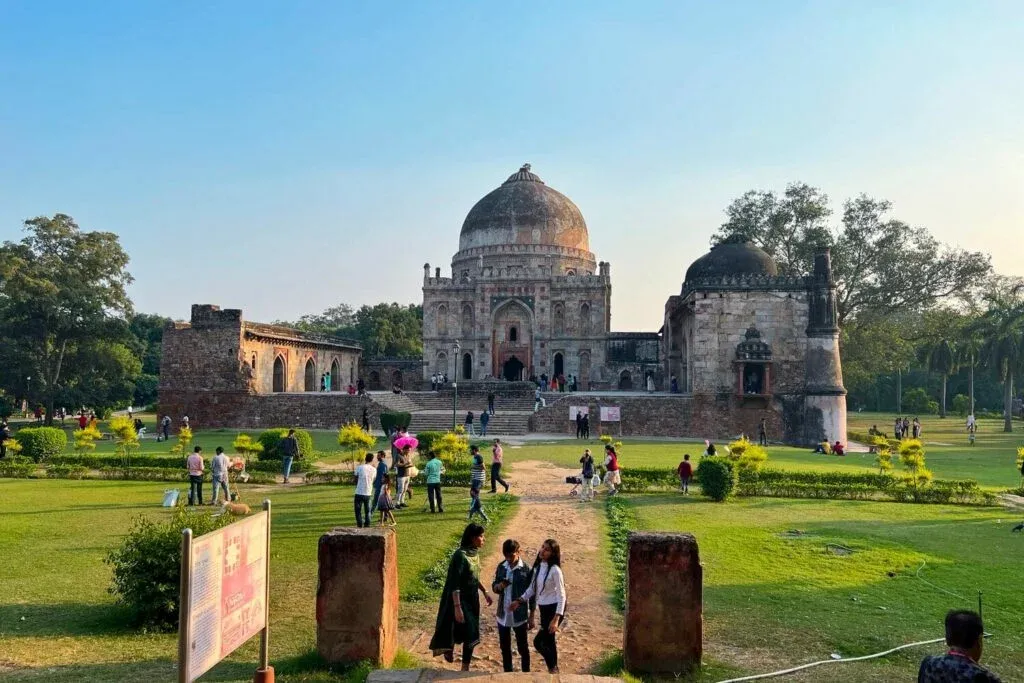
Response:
column 664, row 603
column 431, row 675
column 357, row 596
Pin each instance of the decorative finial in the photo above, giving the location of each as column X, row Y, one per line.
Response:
column 525, row 167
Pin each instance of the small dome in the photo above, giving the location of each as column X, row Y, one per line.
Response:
column 523, row 210
column 732, row 258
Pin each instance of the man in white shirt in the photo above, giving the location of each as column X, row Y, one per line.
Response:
column 365, row 475
column 219, row 468
column 194, row 464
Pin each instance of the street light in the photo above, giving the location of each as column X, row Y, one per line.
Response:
column 455, row 382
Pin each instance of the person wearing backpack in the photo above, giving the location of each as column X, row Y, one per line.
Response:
column 547, row 589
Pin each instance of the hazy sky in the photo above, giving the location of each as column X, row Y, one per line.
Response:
column 281, row 157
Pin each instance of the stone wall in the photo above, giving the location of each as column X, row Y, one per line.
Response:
column 387, row 372
column 315, row 410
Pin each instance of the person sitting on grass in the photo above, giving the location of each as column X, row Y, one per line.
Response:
column 839, row 449
column 964, row 635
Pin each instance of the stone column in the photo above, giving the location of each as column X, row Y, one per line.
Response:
column 357, row 595
column 664, row 603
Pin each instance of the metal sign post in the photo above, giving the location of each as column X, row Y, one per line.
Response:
column 183, row 612
column 265, row 674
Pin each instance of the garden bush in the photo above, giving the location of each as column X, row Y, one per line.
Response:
column 272, row 437
column 95, row 461
column 147, row 566
column 621, row 521
column 717, row 477
column 393, row 419
column 66, row 472
column 40, row 443
column 16, row 470
column 428, row 441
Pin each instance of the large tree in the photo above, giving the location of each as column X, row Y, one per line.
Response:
column 386, row 330
column 1001, row 329
column 881, row 264
column 63, row 294
column 146, row 343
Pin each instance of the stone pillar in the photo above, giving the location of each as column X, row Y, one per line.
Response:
column 357, row 595
column 664, row 603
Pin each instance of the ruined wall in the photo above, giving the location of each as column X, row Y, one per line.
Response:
column 204, row 353
column 386, row 372
column 314, row 410
column 260, row 355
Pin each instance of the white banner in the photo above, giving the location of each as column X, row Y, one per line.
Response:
column 578, row 410
column 610, row 414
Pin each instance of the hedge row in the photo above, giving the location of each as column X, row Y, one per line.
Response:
column 31, row 470
column 166, row 462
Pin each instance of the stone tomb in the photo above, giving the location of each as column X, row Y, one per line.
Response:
column 357, row 595
column 664, row 603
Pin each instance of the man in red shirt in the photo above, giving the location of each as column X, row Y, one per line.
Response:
column 82, row 421
column 685, row 473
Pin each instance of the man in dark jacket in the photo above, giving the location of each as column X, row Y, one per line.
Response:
column 289, row 447
column 511, row 580
column 964, row 636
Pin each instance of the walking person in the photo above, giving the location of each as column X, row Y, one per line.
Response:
column 458, row 614
column 469, row 423
column 366, row 420
column 587, row 475
column 685, row 472
column 476, row 506
column 402, row 471
column 219, row 473
column 378, row 479
column 512, row 578
column 612, row 478
column 289, row 447
column 547, row 588
column 538, row 400
column 385, row 505
column 195, row 467
column 485, row 417
column 762, row 432
column 434, row 469
column 497, row 456
column 365, row 474
column 476, row 470
column 490, row 402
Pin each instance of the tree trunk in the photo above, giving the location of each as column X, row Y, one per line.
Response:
column 51, row 393
column 971, row 388
column 942, row 406
column 1008, row 403
column 899, row 391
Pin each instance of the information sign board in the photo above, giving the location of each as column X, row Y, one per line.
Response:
column 610, row 414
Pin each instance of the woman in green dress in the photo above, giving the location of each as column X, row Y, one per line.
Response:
column 458, row 615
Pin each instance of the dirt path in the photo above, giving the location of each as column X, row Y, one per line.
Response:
column 546, row 511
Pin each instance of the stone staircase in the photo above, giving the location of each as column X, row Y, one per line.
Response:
column 432, row 410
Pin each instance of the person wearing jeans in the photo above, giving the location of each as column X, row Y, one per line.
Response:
column 496, row 461
column 512, row 578
column 378, row 480
column 365, row 475
column 219, row 470
column 195, row 476
column 547, row 587
column 289, row 450
column 402, row 470
column 433, row 470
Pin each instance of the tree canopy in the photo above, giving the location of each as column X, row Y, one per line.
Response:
column 386, row 330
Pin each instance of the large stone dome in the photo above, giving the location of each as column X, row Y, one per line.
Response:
column 524, row 211
column 732, row 257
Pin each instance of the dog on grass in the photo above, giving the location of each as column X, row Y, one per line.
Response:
column 236, row 508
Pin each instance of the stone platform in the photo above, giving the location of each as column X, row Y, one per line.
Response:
column 429, row 675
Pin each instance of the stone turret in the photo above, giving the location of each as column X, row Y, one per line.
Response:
column 825, row 404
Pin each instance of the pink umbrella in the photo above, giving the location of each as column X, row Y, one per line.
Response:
column 408, row 440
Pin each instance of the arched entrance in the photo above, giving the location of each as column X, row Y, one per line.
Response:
column 512, row 370
column 309, row 377
column 559, row 365
column 396, row 378
column 279, row 384
column 374, row 380
column 625, row 381
column 467, row 366
column 335, row 376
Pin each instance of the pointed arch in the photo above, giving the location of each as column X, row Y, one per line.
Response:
column 335, row 375
column 309, row 376
column 585, row 322
column 467, row 320
column 442, row 320
column 280, row 382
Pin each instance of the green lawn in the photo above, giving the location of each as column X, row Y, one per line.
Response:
column 58, row 623
column 771, row 602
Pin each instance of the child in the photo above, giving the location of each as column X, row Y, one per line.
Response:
column 384, row 503
column 475, row 505
column 511, row 579
column 685, row 472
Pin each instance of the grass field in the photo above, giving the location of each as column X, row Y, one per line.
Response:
column 771, row 602
column 58, row 623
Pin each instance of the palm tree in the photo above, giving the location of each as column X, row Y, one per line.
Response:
column 968, row 350
column 1002, row 351
column 941, row 357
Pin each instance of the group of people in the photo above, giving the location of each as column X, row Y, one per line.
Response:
column 219, row 468
column 484, row 419
column 589, row 478
column 582, row 425
column 556, row 383
column 903, row 428
column 520, row 590
column 438, row 380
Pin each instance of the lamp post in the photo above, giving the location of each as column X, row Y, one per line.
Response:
column 455, row 383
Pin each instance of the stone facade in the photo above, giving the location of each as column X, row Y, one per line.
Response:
column 387, row 373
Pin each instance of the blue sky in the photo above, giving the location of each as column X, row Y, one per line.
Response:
column 282, row 157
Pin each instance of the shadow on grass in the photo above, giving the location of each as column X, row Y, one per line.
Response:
column 63, row 619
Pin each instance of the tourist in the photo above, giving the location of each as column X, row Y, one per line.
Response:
column 458, row 614
column 490, row 402
column 965, row 635
column 140, row 429
column 510, row 579
column 365, row 475
column 402, row 470
column 547, row 589
column 360, row 386
column 327, row 381
column 476, row 505
column 469, row 423
column 544, row 380
column 916, row 428
column 194, row 465
column 165, row 425
column 586, row 426
column 838, row 448
column 476, row 477
column 587, row 475
column 219, row 472
column 83, row 421
column 612, row 477
column 906, row 427
column 685, row 472
column 971, row 423
column 485, row 417
column 497, row 456
column 709, row 448
column 5, row 434
column 323, row 382
column 434, row 469
column 378, row 480
column 579, row 424
column 433, row 382
column 289, row 449
column 385, row 505
column 650, row 383
column 825, row 448
column 184, row 422
column 673, row 385
column 538, row 400
column 898, row 428
column 762, row 432
column 365, row 420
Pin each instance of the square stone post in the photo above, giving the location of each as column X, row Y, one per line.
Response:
column 664, row 603
column 357, row 595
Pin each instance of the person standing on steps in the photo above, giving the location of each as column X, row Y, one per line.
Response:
column 469, row 423
column 497, row 456
column 513, row 578
column 485, row 417
column 458, row 614
column 433, row 469
column 365, row 474
column 289, row 450
column 547, row 588
column 490, row 403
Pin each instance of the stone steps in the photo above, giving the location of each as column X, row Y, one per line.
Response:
column 502, row 424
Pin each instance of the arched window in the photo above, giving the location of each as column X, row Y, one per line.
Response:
column 279, row 383
column 375, row 380
column 335, row 376
column 442, row 362
column 309, row 383
column 585, row 319
column 467, row 320
column 625, row 381
column 442, row 320
column 558, row 316
column 513, row 334
column 467, row 366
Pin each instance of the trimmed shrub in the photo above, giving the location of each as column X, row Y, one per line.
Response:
column 39, row 443
column 428, row 441
column 66, row 472
column 717, row 477
column 16, row 470
column 747, row 456
column 272, row 437
column 394, row 419
column 147, row 566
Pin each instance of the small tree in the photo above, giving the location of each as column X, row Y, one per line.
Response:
column 85, row 439
column 961, row 404
column 884, row 454
column 912, row 457
column 452, row 448
column 717, row 476
column 184, row 441
column 747, row 456
column 246, row 447
column 353, row 440
column 127, row 439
